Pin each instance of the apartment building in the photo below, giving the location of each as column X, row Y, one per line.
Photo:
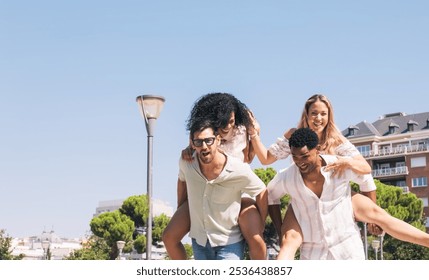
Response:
column 397, row 148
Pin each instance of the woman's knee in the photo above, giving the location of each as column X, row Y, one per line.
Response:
column 293, row 236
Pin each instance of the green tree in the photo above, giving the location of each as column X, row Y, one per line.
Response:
column 266, row 175
column 127, row 224
column 113, row 226
column 160, row 223
column 5, row 250
column 136, row 207
column 95, row 248
column 140, row 243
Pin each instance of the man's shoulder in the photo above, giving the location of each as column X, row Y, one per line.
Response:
column 186, row 163
column 291, row 169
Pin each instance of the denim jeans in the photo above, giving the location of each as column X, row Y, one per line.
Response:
column 233, row 251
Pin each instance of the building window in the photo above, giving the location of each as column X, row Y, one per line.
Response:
column 352, row 130
column 411, row 124
column 418, row 162
column 420, row 182
column 401, row 183
column 385, row 166
column 425, row 201
column 392, row 127
column 364, row 150
column 400, row 164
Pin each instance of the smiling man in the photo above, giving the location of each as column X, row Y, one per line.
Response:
column 215, row 182
column 322, row 203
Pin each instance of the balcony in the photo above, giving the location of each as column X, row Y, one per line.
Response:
column 395, row 151
column 390, row 172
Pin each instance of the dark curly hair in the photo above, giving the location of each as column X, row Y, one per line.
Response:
column 217, row 107
column 200, row 125
column 304, row 137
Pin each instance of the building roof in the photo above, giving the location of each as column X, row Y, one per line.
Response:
column 361, row 129
column 395, row 123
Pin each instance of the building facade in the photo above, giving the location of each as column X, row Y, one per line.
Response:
column 57, row 248
column 397, row 148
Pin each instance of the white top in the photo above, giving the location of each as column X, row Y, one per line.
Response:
column 327, row 223
column 281, row 150
column 214, row 205
column 235, row 142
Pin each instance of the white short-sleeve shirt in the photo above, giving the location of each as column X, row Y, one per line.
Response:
column 327, row 223
column 214, row 205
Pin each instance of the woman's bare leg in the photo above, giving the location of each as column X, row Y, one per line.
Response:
column 176, row 229
column 291, row 238
column 367, row 211
column 251, row 227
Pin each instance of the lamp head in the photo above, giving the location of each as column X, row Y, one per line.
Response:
column 375, row 244
column 120, row 244
column 150, row 107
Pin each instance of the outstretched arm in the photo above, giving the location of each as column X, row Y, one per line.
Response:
column 369, row 212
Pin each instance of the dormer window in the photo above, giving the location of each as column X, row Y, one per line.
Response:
column 352, row 130
column 392, row 127
column 411, row 124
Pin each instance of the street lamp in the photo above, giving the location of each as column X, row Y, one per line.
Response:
column 150, row 107
column 120, row 244
column 375, row 244
column 45, row 247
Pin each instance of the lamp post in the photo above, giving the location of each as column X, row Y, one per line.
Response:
column 381, row 244
column 150, row 107
column 120, row 244
column 365, row 238
column 375, row 244
column 45, row 247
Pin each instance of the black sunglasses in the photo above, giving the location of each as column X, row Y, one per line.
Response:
column 199, row 142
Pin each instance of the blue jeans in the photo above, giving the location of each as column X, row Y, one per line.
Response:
column 233, row 251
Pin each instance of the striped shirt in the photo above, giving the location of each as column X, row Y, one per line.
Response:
column 327, row 223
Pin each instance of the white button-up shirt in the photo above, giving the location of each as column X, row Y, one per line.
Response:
column 214, row 205
column 327, row 223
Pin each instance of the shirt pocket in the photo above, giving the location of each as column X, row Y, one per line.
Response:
column 223, row 195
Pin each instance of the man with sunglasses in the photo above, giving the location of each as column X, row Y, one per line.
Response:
column 215, row 182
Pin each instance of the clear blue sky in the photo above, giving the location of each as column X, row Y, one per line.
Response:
column 71, row 134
